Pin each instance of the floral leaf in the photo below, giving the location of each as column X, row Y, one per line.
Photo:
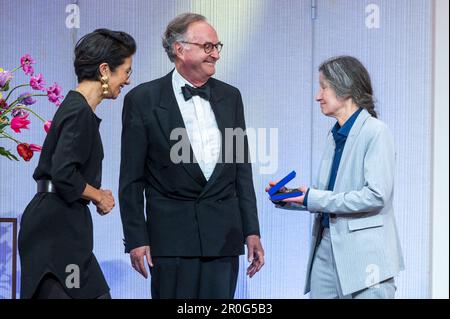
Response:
column 5, row 88
column 7, row 154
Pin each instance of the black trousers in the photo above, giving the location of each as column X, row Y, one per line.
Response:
column 50, row 288
column 194, row 277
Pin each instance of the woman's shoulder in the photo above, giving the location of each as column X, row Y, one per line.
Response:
column 74, row 100
column 74, row 107
column 375, row 128
column 75, row 103
column 375, row 124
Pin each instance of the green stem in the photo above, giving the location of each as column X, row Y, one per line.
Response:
column 10, row 137
column 22, row 85
column 31, row 111
column 10, row 107
column 16, row 69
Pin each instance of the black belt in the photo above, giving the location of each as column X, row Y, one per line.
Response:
column 45, row 186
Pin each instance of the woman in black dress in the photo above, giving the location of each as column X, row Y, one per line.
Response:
column 56, row 236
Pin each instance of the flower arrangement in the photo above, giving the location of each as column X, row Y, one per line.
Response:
column 14, row 114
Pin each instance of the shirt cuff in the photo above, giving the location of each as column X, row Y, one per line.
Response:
column 305, row 200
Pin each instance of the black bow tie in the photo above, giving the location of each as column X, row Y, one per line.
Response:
column 203, row 91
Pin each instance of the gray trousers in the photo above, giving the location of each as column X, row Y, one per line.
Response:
column 325, row 280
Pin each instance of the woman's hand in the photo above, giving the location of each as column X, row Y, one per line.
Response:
column 102, row 198
column 105, row 202
column 298, row 199
column 272, row 184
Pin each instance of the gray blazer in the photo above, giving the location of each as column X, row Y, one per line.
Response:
column 363, row 232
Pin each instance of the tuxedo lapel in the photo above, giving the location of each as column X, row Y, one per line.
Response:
column 170, row 118
column 166, row 113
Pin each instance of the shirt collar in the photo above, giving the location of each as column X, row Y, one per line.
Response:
column 179, row 81
column 344, row 130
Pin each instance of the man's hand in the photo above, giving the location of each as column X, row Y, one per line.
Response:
column 137, row 259
column 255, row 255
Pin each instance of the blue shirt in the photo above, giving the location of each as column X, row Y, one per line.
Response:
column 340, row 137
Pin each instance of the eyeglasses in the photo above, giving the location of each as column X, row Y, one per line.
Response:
column 208, row 46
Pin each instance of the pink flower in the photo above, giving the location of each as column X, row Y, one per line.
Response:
column 47, row 126
column 19, row 122
column 26, row 61
column 5, row 77
column 54, row 94
column 35, row 148
column 37, row 82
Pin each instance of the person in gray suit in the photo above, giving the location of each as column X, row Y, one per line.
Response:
column 355, row 249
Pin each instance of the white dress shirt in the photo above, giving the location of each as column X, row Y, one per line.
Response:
column 201, row 126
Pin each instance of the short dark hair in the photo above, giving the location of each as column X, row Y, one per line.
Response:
column 350, row 79
column 101, row 46
column 176, row 30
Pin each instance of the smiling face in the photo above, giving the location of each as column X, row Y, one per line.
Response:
column 192, row 61
column 330, row 103
column 119, row 78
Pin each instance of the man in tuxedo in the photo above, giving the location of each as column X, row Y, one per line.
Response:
column 200, row 211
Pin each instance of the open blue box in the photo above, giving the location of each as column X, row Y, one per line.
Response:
column 277, row 195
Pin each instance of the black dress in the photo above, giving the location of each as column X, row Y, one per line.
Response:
column 56, row 233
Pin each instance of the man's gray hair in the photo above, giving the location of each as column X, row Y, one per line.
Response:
column 176, row 30
column 350, row 79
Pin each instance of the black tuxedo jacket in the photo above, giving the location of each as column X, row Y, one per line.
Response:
column 185, row 214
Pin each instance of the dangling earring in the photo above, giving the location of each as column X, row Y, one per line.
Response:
column 105, row 86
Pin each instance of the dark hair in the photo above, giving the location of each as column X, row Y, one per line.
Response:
column 350, row 79
column 176, row 30
column 101, row 46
